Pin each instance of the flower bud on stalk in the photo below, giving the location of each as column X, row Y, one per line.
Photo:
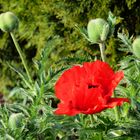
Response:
column 8, row 22
column 98, row 30
column 136, row 47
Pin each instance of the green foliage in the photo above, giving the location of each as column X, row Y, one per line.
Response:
column 48, row 35
column 30, row 115
column 131, row 67
column 40, row 20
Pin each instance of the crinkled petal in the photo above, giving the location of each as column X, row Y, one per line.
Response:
column 96, row 109
column 116, row 102
column 65, row 85
column 101, row 73
column 87, row 89
column 66, row 109
column 93, row 97
column 118, row 76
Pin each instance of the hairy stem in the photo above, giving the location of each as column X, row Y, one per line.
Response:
column 21, row 56
column 102, row 50
column 103, row 56
column 116, row 113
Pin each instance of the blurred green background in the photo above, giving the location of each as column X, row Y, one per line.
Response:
column 41, row 20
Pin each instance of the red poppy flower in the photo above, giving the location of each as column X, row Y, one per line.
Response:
column 87, row 89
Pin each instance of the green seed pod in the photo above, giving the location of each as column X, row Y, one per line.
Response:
column 8, row 22
column 105, row 32
column 96, row 29
column 15, row 120
column 136, row 47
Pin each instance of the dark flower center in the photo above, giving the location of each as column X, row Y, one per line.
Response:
column 92, row 86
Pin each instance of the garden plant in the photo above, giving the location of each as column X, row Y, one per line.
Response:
column 81, row 98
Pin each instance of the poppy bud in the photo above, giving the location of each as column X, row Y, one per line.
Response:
column 15, row 120
column 97, row 30
column 8, row 22
column 136, row 47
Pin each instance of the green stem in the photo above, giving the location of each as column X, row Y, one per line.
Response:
column 21, row 56
column 92, row 119
column 116, row 113
column 102, row 50
column 103, row 56
column 38, row 100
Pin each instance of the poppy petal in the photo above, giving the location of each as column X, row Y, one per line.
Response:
column 118, row 76
column 66, row 109
column 116, row 102
column 87, row 89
